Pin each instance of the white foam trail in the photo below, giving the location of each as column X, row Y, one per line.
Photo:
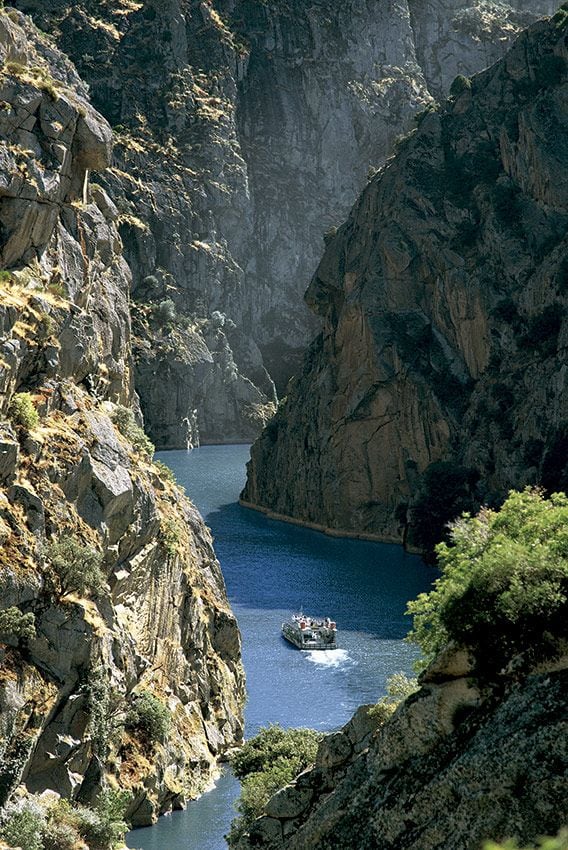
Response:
column 328, row 657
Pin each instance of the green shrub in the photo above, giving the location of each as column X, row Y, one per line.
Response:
column 459, row 85
column 165, row 312
column 124, row 420
column 171, row 535
column 165, row 472
column 504, row 583
column 22, row 411
column 15, row 624
column 76, row 568
column 150, row 716
column 399, row 688
column 105, row 707
column 559, row 842
column 60, row 836
column 23, row 823
column 266, row 763
column 103, row 827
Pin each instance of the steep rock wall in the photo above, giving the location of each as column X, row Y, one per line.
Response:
column 244, row 130
column 162, row 624
column 459, row 763
column 444, row 305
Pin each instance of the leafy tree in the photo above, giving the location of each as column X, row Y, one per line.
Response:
column 266, row 763
column 103, row 827
column 77, row 568
column 149, row 715
column 15, row 624
column 504, row 583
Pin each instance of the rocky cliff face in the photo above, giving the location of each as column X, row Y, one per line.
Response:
column 450, row 769
column 243, row 131
column 75, row 466
column 440, row 377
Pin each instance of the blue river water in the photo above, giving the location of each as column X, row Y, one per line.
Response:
column 271, row 570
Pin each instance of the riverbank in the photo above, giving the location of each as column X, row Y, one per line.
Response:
column 330, row 532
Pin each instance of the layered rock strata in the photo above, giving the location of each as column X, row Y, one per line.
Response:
column 439, row 380
column 244, row 131
column 160, row 628
column 459, row 763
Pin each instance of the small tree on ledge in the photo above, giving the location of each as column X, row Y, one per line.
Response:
column 76, row 568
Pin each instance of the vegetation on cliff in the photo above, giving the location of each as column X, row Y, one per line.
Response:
column 479, row 745
column 504, row 584
column 49, row 823
column 264, row 764
column 115, row 628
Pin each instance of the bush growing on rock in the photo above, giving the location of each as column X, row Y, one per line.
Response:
column 15, row 624
column 46, row 824
column 123, row 418
column 150, row 716
column 399, row 687
column 558, row 842
column 76, row 568
column 22, row 411
column 103, row 827
column 266, row 763
column 23, row 823
column 504, row 583
column 165, row 312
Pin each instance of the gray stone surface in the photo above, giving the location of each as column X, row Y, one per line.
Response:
column 444, row 319
column 65, row 338
column 244, row 132
column 444, row 771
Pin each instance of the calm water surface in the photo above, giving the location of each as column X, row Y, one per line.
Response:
column 271, row 569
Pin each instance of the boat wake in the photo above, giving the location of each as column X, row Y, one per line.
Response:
column 328, row 657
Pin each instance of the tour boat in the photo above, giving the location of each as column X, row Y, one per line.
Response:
column 310, row 632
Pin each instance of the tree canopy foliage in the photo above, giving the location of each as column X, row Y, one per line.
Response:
column 266, row 763
column 504, row 583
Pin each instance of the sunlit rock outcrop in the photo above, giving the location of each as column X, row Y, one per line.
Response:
column 439, row 379
column 75, row 466
column 243, row 132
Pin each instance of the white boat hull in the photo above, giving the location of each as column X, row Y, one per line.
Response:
column 311, row 638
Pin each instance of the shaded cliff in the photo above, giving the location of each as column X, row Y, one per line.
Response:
column 439, row 380
column 243, row 131
column 460, row 762
column 101, row 551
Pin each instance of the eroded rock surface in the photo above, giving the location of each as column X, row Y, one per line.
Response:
column 162, row 624
column 444, row 304
column 244, row 131
column 460, row 762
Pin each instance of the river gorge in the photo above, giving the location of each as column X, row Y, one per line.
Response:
column 272, row 568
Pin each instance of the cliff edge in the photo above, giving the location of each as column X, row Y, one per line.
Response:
column 112, row 599
column 439, row 380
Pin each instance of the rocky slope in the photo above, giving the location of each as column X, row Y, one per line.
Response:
column 461, row 761
column 439, row 380
column 244, row 130
column 75, row 466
